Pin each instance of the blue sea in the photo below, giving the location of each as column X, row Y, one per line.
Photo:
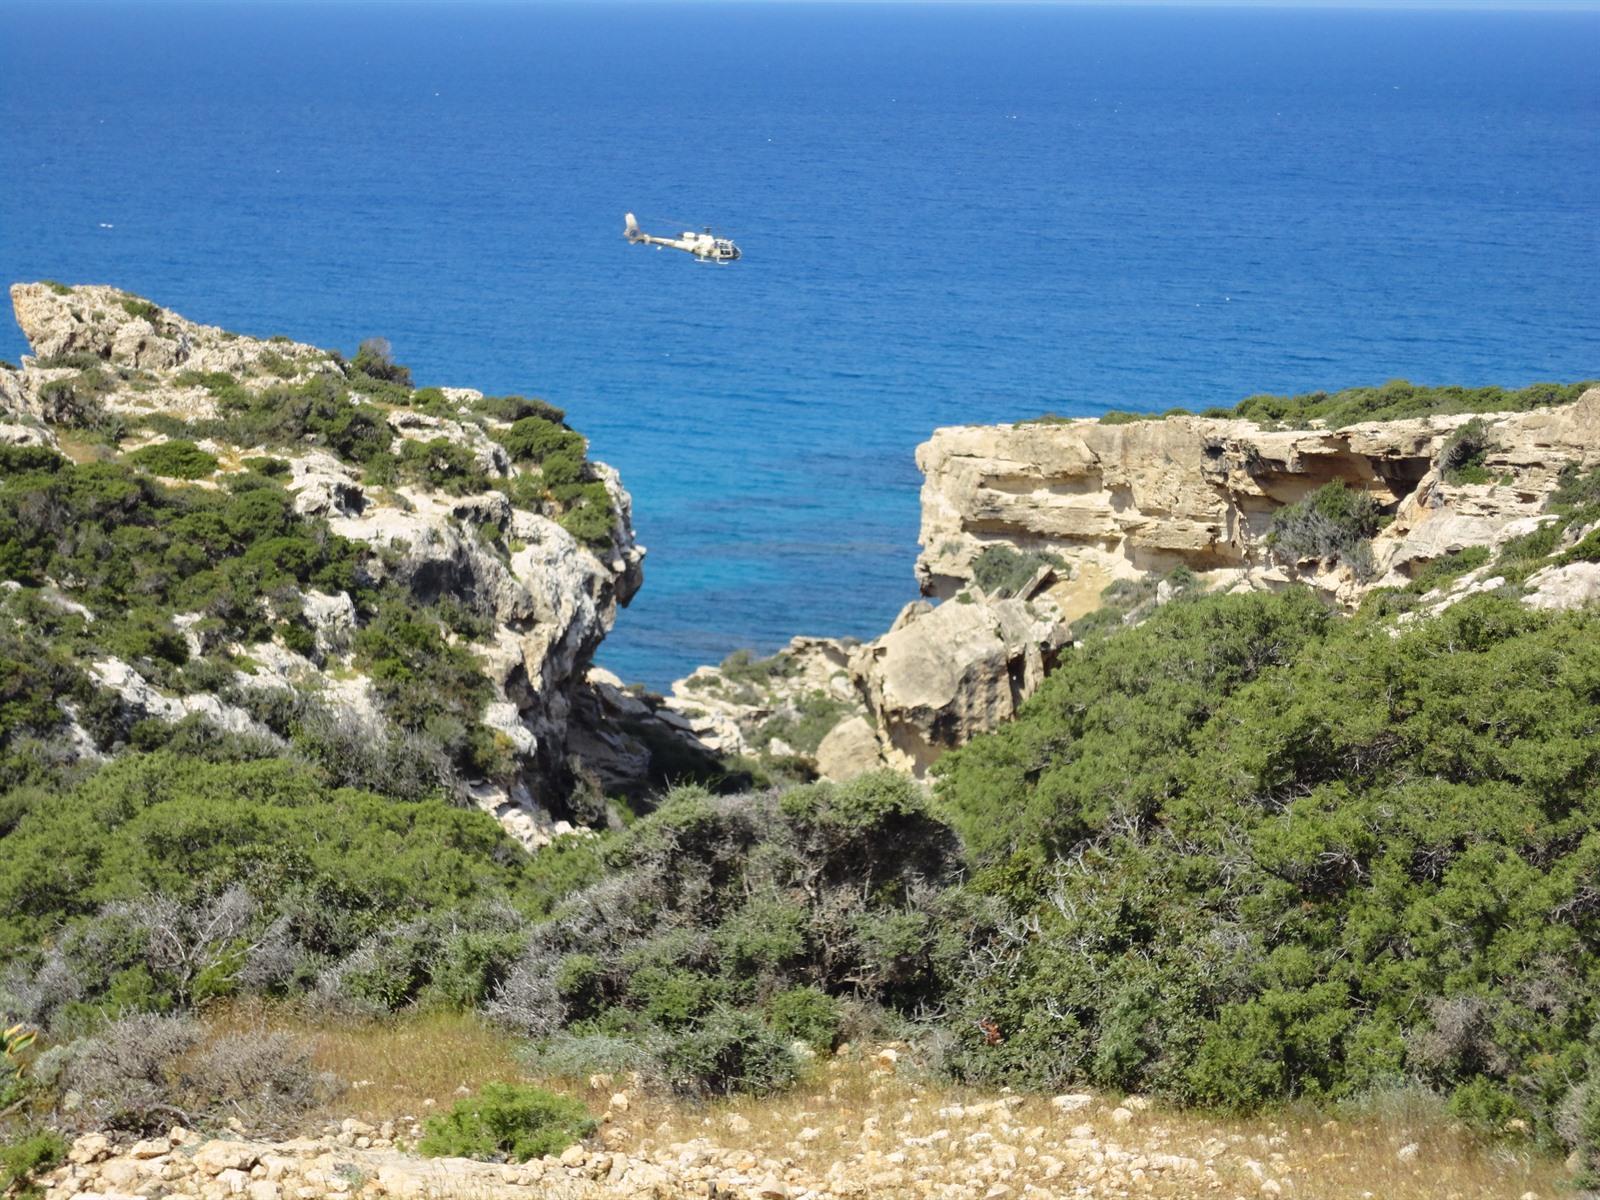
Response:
column 948, row 214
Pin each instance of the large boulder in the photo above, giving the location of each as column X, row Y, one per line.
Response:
column 948, row 672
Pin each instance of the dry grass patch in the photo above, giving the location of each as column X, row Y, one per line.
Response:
column 857, row 1123
column 400, row 1067
column 902, row 1135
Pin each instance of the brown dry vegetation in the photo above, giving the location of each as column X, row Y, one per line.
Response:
column 852, row 1117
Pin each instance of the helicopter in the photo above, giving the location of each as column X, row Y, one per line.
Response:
column 704, row 246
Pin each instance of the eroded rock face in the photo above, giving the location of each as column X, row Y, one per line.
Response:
column 1128, row 501
column 946, row 673
column 546, row 598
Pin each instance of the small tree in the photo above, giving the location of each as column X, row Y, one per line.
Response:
column 375, row 357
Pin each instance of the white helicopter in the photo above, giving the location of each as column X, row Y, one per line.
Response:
column 703, row 246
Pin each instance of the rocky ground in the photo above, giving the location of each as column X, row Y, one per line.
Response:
column 860, row 1131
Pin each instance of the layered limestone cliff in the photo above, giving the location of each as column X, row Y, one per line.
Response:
column 532, row 567
column 1129, row 501
column 1025, row 528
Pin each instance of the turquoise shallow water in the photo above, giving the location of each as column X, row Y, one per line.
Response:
column 948, row 214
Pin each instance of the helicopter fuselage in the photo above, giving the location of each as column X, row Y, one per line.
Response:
column 704, row 246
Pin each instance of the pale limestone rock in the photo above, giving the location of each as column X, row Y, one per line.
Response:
column 91, row 1147
column 1572, row 586
column 1122, row 501
column 27, row 435
column 332, row 620
column 949, row 672
column 725, row 710
column 92, row 319
column 137, row 693
column 215, row 1157
column 849, row 749
column 325, row 487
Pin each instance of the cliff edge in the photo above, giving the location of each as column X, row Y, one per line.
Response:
column 258, row 534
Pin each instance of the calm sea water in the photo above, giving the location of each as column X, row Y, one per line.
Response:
column 948, row 214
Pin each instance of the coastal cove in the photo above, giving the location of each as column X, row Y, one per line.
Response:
column 454, row 180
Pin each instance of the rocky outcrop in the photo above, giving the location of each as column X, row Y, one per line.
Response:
column 1131, row 501
column 945, row 673
column 1024, row 527
column 543, row 599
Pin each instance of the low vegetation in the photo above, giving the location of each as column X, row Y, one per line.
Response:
column 509, row 1122
column 1393, row 401
column 1002, row 571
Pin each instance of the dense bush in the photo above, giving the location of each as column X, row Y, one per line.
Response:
column 727, row 927
column 537, row 438
column 442, row 464
column 341, row 863
column 375, row 360
column 515, row 408
column 1461, row 458
column 1252, row 853
column 507, row 1122
column 1332, row 524
column 145, row 1073
column 175, row 459
column 27, row 1157
column 135, row 550
column 1002, row 571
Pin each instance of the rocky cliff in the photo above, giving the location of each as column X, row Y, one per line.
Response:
column 1027, row 528
column 1129, row 501
column 419, row 527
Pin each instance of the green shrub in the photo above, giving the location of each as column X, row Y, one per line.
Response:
column 1118, row 416
column 28, row 1157
column 807, row 1014
column 1587, row 550
column 375, row 360
column 1333, row 523
column 276, row 364
column 78, row 360
column 134, row 306
column 74, row 401
column 175, row 460
column 731, row 1050
column 535, row 438
column 1441, row 570
column 1002, row 571
column 272, row 468
column 507, row 1122
column 814, row 715
column 515, row 408
column 1260, row 854
column 589, row 518
column 443, row 464
column 1398, row 400
column 1462, row 457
